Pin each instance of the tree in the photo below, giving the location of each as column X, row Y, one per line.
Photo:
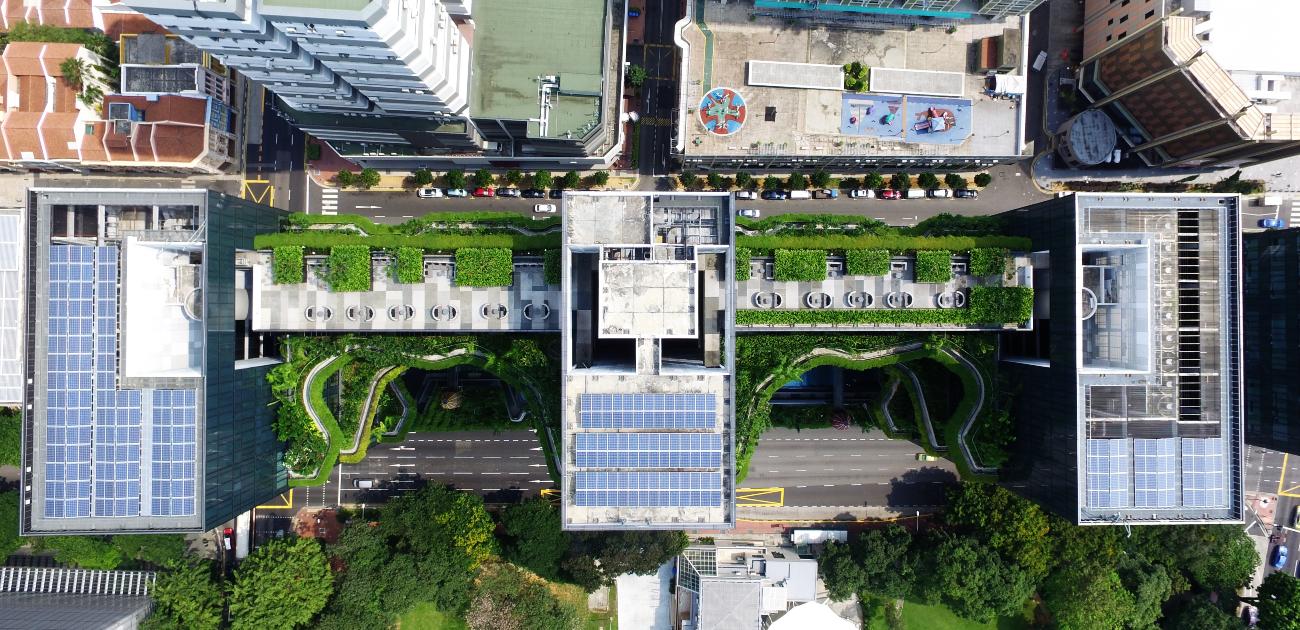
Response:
column 282, row 584
column 874, row 181
column 689, row 180
column 636, row 75
column 455, row 178
column 901, row 182
column 534, row 539
column 83, row 552
column 374, row 584
column 1150, row 586
column 1093, row 598
column 598, row 557
column 155, row 549
column 422, row 177
column 542, row 179
column 73, row 71
column 185, row 597
column 344, row 178
column 507, row 598
column 983, row 179
column 796, row 181
column 971, row 579
column 435, row 515
column 841, row 571
column 514, row 176
column 571, row 180
column 368, row 178
column 927, row 180
column 1015, row 528
column 483, row 178
column 1199, row 613
column 772, row 182
column 1214, row 557
column 820, row 179
column 600, row 178
column 886, row 564
column 1279, row 602
column 744, row 181
column 954, row 181
column 11, row 437
column 10, row 541
column 715, row 181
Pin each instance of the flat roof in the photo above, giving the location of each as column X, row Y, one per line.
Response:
column 518, row 41
column 905, row 81
column 814, row 76
column 1238, row 28
column 12, row 293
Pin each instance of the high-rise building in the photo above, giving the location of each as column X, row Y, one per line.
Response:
column 1129, row 402
column 146, row 406
column 950, row 9
column 1270, row 264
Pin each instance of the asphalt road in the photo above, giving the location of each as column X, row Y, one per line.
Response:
column 1276, row 474
column 829, row 467
column 657, row 53
column 277, row 157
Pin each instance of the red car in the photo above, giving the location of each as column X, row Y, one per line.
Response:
column 483, row 192
column 890, row 194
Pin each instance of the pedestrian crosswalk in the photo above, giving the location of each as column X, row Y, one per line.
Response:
column 1294, row 206
column 329, row 201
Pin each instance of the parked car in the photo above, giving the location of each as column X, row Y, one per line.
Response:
column 940, row 193
column 775, row 195
column 746, row 194
column 863, row 193
column 914, row 193
column 507, row 192
column 457, row 192
column 1270, row 223
column 544, row 208
column 800, row 194
column 965, row 194
column 1279, row 557
column 749, row 213
column 533, row 193
column 483, row 192
column 826, row 193
column 428, row 193
column 890, row 193
column 557, row 193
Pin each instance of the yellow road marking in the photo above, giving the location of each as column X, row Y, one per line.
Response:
column 1283, row 489
column 286, row 502
column 258, row 191
column 834, row 520
column 760, row 497
column 552, row 495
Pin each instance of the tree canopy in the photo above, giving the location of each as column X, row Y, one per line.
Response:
column 185, row 597
column 509, row 599
column 1279, row 602
column 282, row 584
column 534, row 539
column 427, row 519
column 971, row 579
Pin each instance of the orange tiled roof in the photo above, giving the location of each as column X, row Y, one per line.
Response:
column 74, row 13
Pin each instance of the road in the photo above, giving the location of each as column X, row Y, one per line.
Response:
column 275, row 172
column 1272, row 474
column 658, row 55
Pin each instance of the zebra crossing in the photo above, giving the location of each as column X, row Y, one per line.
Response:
column 1294, row 207
column 329, row 201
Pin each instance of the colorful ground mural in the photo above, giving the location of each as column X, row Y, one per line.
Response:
column 722, row 111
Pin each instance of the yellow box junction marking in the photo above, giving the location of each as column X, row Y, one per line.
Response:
column 285, row 502
column 552, row 495
column 258, row 191
column 1284, row 489
column 760, row 497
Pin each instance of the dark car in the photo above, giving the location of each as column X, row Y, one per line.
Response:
column 557, row 193
column 507, row 192
column 533, row 193
column 965, row 194
column 775, row 195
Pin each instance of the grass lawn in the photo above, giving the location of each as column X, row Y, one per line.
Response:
column 426, row 616
column 939, row 617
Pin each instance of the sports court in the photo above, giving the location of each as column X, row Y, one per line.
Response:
column 912, row 118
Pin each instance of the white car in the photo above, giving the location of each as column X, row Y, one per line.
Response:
column 544, row 208
column 863, row 193
column 457, row 192
column 428, row 193
column 749, row 213
column 746, row 194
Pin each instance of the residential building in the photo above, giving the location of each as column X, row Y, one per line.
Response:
column 1270, row 264
column 1129, row 400
column 146, row 404
column 741, row 586
column 1190, row 87
column 647, row 361
column 44, row 117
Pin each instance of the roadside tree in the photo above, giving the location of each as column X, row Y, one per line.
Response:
column 514, row 176
column 455, row 178
column 954, row 181
column 772, row 182
column 744, row 181
column 542, row 179
column 344, row 178
column 483, row 178
column 983, row 179
column 901, row 182
column 368, row 178
column 796, row 181
column 422, row 177
column 927, row 180
column 282, row 584
column 874, row 181
column 572, row 180
column 600, row 178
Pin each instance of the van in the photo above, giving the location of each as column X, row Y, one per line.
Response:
column 826, row 193
column 800, row 194
column 914, row 193
column 941, row 193
column 746, row 194
column 364, row 483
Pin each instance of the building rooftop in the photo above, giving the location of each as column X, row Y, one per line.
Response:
column 157, row 49
column 1238, row 27
column 12, row 298
column 736, row 585
column 518, row 42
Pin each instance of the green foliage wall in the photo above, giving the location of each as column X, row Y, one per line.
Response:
column 552, row 266
column 866, row 262
column 484, row 267
column 287, row 265
column 799, row 264
column 988, row 261
column 743, row 254
column 349, row 268
column 934, row 266
column 410, row 265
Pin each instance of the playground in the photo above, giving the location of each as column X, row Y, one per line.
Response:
column 926, row 119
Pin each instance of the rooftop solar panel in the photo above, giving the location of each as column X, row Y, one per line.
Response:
column 1108, row 479
column 645, row 489
column 648, row 450
column 647, row 411
column 1204, row 479
column 1153, row 473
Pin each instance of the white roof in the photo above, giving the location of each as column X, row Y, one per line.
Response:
column 1242, row 39
column 1008, row 84
column 12, row 238
column 812, row 615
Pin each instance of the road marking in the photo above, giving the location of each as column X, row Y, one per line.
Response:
column 1292, row 490
column 286, row 502
column 258, row 191
column 401, row 465
column 520, row 457
column 753, row 497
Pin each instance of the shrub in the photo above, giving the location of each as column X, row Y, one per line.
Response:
column 934, row 266
column 1001, row 304
column 348, row 268
column 988, row 261
column 743, row 254
column 286, row 265
column 484, row 267
column 345, row 178
column 954, row 181
column 10, row 439
column 800, row 264
column 410, row 265
column 983, row 179
column 866, row 262
column 900, row 182
column 927, row 180
column 796, row 181
column 321, row 241
column 892, row 242
column 455, row 178
column 636, row 75
column 874, row 181
column 551, row 266
column 313, row 151
column 744, row 180
column 772, row 182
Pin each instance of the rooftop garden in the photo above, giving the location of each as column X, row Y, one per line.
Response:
column 988, row 305
column 479, row 267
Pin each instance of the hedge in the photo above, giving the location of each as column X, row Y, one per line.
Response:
column 1007, row 304
column 484, row 267
column 743, row 254
column 552, row 267
column 413, row 226
column 777, row 220
column 800, row 264
column 988, row 305
column 866, row 262
column 891, row 242
column 349, row 268
column 934, row 266
column 410, row 265
column 988, row 261
column 287, row 267
column 321, row 241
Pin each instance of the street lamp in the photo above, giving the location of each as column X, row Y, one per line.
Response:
column 918, row 521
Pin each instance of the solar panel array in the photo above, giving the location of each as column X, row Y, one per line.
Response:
column 648, row 489
column 1108, row 477
column 1204, row 478
column 647, row 411
column 648, row 450
column 11, row 295
column 94, row 430
column 1153, row 473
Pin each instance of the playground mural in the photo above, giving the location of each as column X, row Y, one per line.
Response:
column 722, row 111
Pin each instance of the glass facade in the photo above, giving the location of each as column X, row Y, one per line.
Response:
column 1271, row 271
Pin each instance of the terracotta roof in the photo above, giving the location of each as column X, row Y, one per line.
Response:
column 75, row 13
column 119, row 24
column 37, row 124
column 173, row 130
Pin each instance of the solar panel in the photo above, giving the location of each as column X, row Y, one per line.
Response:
column 646, row 489
column 1153, row 473
column 174, row 444
column 69, row 382
column 647, row 411
column 648, row 450
column 1108, row 474
column 1204, row 480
